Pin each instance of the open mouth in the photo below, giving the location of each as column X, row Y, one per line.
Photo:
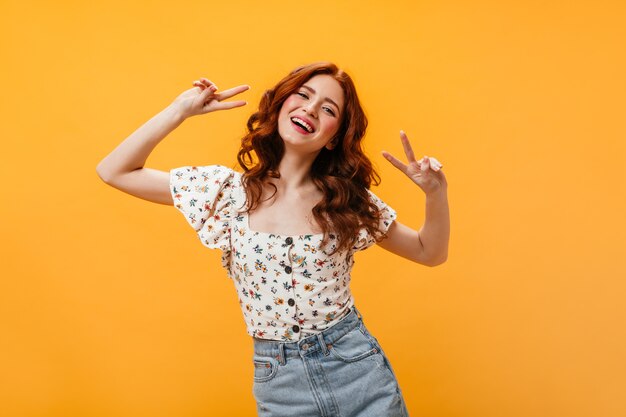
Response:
column 302, row 126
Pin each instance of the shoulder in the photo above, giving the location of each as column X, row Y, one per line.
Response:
column 382, row 206
column 386, row 216
column 203, row 173
column 206, row 183
column 203, row 178
column 373, row 197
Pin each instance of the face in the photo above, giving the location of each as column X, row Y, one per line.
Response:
column 311, row 115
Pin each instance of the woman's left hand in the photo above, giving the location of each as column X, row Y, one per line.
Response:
column 426, row 172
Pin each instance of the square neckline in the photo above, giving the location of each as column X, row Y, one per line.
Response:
column 278, row 235
column 246, row 217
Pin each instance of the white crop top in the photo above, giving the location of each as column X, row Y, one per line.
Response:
column 288, row 286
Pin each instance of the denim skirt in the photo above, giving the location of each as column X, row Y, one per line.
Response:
column 341, row 371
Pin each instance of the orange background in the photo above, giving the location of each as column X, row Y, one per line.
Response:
column 110, row 305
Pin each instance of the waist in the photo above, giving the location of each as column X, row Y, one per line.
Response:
column 319, row 341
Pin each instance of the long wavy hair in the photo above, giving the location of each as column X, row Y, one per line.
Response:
column 343, row 174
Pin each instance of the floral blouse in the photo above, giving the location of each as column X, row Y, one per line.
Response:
column 288, row 286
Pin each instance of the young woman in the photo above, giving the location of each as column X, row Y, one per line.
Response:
column 288, row 227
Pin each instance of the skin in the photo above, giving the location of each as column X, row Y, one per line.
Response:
column 296, row 194
column 321, row 100
column 429, row 245
column 302, row 149
column 124, row 167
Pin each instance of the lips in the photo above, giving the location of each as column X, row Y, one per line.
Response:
column 303, row 124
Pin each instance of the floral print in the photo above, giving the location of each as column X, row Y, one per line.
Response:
column 289, row 287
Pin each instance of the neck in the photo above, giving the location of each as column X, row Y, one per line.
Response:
column 295, row 171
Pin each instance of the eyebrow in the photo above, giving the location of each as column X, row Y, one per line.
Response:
column 325, row 98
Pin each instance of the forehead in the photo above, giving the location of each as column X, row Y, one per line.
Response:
column 327, row 87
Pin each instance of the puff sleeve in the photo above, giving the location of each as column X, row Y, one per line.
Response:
column 388, row 215
column 204, row 196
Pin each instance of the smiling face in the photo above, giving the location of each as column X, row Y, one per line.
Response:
column 310, row 117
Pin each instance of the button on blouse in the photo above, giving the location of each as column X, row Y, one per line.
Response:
column 289, row 287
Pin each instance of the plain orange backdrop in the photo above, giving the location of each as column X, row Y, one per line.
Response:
column 110, row 306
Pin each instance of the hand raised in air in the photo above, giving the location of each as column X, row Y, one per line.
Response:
column 426, row 172
column 204, row 98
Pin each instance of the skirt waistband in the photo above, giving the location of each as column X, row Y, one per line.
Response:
column 320, row 341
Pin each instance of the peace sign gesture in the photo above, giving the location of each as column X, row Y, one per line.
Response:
column 204, row 98
column 426, row 172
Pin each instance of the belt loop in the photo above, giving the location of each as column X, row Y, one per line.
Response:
column 358, row 314
column 322, row 342
column 281, row 353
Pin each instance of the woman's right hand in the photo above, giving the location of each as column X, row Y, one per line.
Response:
column 203, row 98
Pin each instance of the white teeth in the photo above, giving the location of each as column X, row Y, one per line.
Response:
column 305, row 124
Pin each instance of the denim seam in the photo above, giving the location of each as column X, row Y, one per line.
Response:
column 312, row 385
column 330, row 391
column 274, row 370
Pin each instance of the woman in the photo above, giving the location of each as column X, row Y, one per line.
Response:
column 288, row 227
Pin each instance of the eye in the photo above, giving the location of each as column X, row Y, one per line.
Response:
column 302, row 95
column 329, row 110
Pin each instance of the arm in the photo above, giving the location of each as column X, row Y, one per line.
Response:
column 429, row 245
column 124, row 168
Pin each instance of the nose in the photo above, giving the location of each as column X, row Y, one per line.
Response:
column 310, row 109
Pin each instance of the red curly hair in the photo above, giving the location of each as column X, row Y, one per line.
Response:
column 343, row 174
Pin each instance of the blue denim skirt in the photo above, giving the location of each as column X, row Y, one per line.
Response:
column 341, row 371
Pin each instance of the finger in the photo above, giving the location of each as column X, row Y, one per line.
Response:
column 435, row 164
column 408, row 150
column 425, row 164
column 231, row 92
column 199, row 85
column 207, row 82
column 208, row 91
column 225, row 105
column 395, row 161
